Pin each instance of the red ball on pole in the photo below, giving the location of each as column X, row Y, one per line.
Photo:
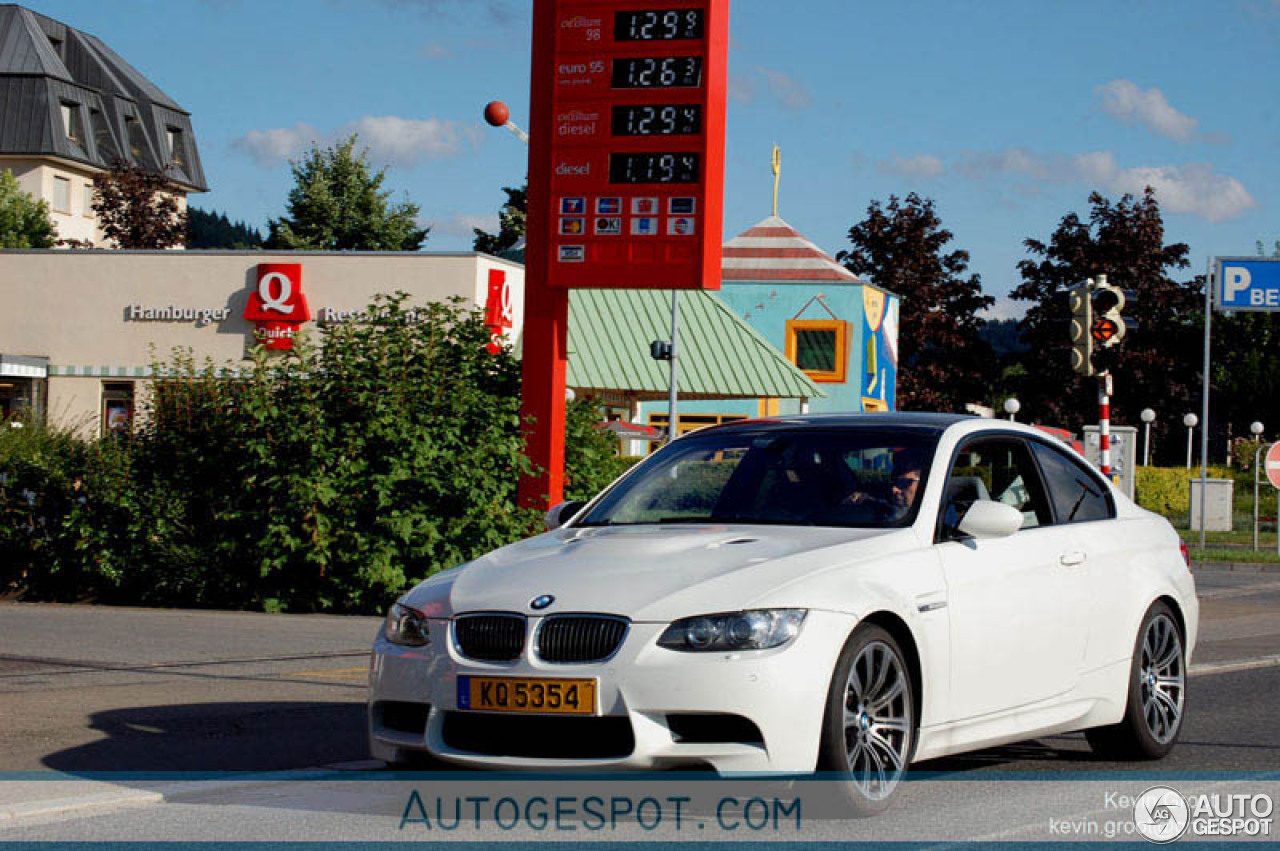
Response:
column 497, row 113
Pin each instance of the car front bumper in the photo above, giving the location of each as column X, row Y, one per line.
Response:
column 781, row 693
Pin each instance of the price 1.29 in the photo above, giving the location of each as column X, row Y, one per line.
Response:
column 658, row 25
column 684, row 119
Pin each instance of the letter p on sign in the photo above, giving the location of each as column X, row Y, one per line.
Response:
column 1236, row 279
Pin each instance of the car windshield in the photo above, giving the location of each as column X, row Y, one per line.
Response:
column 852, row 477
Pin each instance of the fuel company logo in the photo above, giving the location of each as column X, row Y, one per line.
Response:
column 277, row 305
column 1161, row 814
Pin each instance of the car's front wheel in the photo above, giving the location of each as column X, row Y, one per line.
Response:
column 869, row 730
column 1157, row 693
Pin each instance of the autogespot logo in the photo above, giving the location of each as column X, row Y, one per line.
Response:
column 1161, row 814
column 541, row 602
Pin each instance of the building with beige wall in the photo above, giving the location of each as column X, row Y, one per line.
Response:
column 70, row 107
column 82, row 329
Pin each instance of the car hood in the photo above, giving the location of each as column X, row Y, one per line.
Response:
column 649, row 573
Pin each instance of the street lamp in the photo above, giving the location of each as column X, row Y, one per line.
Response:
column 1256, row 429
column 1190, row 421
column 1148, row 416
column 1011, row 407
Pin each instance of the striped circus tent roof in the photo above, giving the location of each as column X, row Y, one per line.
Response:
column 772, row 250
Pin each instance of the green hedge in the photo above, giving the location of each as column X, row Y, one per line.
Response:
column 328, row 478
column 1166, row 490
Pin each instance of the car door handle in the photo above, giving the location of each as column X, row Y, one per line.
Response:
column 1072, row 558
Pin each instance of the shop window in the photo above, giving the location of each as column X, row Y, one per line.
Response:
column 21, row 399
column 117, row 407
column 61, row 195
column 691, row 422
column 819, row 347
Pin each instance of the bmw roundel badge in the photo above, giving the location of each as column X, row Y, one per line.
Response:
column 541, row 602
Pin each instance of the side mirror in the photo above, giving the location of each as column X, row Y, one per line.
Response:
column 987, row 518
column 560, row 514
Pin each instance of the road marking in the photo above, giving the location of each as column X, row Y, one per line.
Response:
column 1229, row 667
column 340, row 673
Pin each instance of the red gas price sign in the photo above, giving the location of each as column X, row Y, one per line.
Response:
column 629, row 142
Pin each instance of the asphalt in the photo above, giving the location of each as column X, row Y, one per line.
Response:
column 85, row 690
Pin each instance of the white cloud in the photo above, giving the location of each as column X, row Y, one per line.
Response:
column 1123, row 99
column 789, row 92
column 270, row 147
column 741, row 89
column 1193, row 188
column 462, row 224
column 921, row 166
column 390, row 139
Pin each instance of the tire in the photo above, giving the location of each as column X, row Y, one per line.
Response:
column 869, row 728
column 1157, row 700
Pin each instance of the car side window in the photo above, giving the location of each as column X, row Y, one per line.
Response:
column 1077, row 495
column 998, row 469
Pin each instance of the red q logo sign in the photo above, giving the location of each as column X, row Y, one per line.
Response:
column 277, row 305
column 498, row 309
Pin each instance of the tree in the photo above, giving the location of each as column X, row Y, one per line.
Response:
column 24, row 221
column 511, row 219
column 943, row 360
column 1246, row 367
column 338, row 204
column 215, row 230
column 1158, row 363
column 137, row 208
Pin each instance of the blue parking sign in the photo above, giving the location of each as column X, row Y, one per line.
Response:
column 1248, row 283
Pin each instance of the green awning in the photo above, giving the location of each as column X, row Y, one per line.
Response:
column 721, row 356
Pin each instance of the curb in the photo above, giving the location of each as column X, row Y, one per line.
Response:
column 1230, row 667
column 1238, row 566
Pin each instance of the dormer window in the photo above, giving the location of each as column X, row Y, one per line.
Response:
column 56, row 44
column 177, row 148
column 71, row 122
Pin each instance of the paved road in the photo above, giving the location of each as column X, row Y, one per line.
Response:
column 87, row 690
column 108, row 689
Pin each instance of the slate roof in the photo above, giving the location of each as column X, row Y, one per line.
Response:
column 720, row 355
column 45, row 64
column 772, row 250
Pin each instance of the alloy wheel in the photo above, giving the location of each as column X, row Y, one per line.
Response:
column 1163, row 679
column 877, row 720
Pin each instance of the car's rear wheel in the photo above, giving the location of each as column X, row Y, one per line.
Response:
column 1157, row 693
column 869, row 731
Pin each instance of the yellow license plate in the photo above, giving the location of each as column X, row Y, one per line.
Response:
column 527, row 694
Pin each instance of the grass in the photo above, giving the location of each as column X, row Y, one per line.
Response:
column 1264, row 556
column 1244, row 537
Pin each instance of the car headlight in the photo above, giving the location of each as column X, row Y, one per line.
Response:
column 406, row 626
column 758, row 629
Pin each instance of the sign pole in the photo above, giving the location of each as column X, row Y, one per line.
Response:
column 673, row 417
column 544, row 358
column 1257, row 462
column 1204, row 407
column 1104, row 422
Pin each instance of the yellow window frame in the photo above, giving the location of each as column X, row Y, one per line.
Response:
column 840, row 374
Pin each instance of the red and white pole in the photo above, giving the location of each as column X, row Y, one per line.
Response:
column 1104, row 422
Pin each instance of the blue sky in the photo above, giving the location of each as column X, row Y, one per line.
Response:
column 1006, row 113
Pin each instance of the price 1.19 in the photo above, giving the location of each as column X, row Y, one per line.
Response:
column 684, row 119
column 658, row 25
column 666, row 72
column 653, row 168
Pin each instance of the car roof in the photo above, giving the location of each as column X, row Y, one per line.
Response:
column 914, row 421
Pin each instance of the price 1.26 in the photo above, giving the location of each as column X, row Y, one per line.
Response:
column 653, row 168
column 651, row 72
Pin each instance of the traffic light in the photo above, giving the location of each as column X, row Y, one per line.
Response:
column 1108, row 328
column 1082, row 327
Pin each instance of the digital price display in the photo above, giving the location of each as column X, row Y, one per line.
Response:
column 627, row 142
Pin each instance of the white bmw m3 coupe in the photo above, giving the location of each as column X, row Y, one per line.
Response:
column 833, row 593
